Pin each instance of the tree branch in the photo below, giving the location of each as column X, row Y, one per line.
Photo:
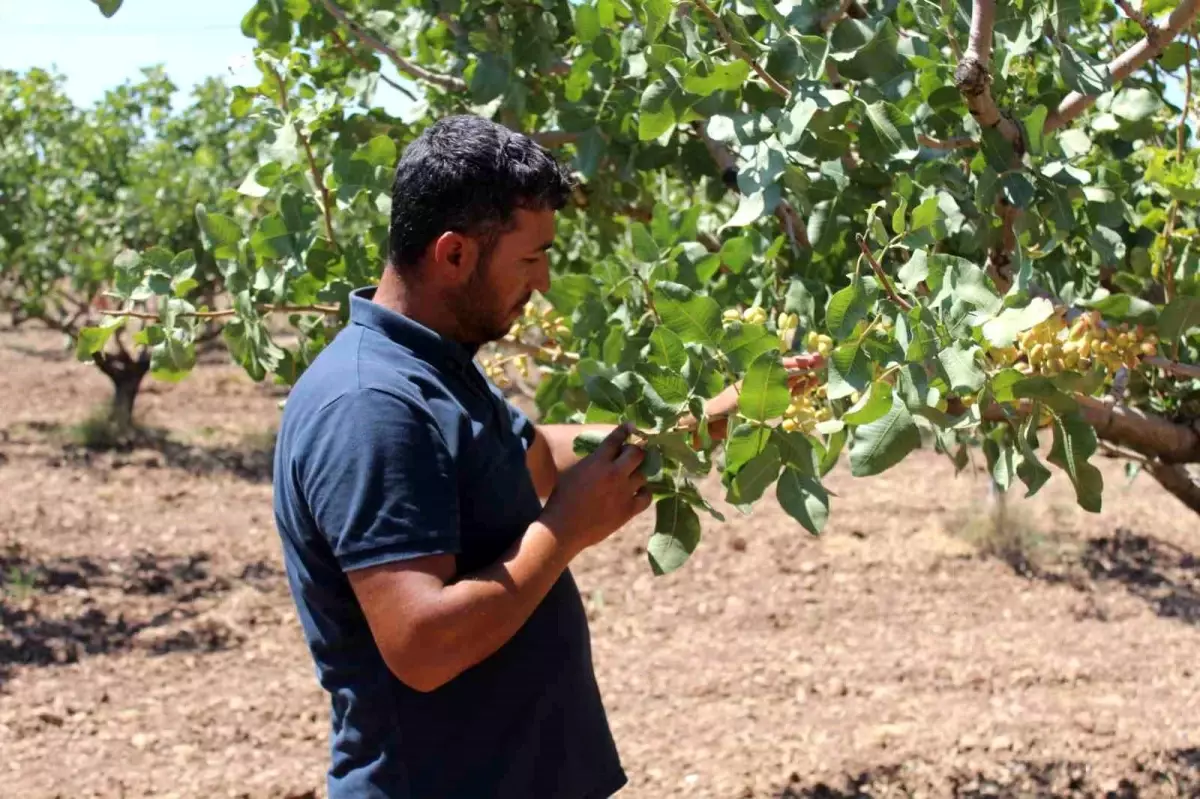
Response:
column 228, row 312
column 1177, row 479
column 973, row 76
column 1152, row 31
column 1174, row 367
column 1123, row 65
column 739, row 51
column 447, row 82
column 955, row 143
column 888, row 288
column 554, row 138
column 326, row 205
column 341, row 43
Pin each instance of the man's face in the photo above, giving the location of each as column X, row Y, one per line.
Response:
column 491, row 299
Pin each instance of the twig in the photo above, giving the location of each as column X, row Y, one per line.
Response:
column 1149, row 27
column 447, row 82
column 228, row 312
column 1187, row 97
column 1123, row 65
column 1173, row 367
column 341, row 43
column 554, row 138
column 835, row 16
column 739, row 51
column 955, row 143
column 904, row 304
column 326, row 203
column 999, row 257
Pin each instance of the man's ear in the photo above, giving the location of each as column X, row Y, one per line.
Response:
column 455, row 256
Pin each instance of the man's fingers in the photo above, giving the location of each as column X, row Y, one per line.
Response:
column 630, row 458
column 613, row 442
column 642, row 499
column 808, row 360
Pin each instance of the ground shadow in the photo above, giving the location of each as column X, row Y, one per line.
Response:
column 59, row 610
column 252, row 461
column 1166, row 577
column 1177, row 770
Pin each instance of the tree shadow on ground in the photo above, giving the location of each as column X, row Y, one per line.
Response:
column 1176, row 771
column 60, row 610
column 1164, row 576
column 251, row 460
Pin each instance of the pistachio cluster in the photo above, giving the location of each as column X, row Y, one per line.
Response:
column 754, row 315
column 819, row 343
column 549, row 325
column 808, row 408
column 495, row 367
column 1054, row 346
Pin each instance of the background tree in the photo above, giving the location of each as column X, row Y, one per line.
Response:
column 985, row 215
column 78, row 186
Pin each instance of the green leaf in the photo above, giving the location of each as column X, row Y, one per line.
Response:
column 92, row 340
column 962, row 368
column 833, row 449
column 656, row 113
column 643, row 244
column 1074, row 443
column 379, row 151
column 1002, row 384
column 1178, row 318
column 605, row 394
column 999, row 455
column 1034, row 123
column 927, row 214
column 676, row 535
column 749, row 483
column 693, row 317
column 587, row 22
column 743, row 343
column 1002, row 330
column 223, row 233
column 849, row 371
column 882, row 444
column 997, row 150
column 1074, row 142
column 658, row 14
column 1029, row 469
column 172, row 360
column 744, row 444
column 846, row 309
column 804, row 499
column 1123, row 308
column 588, row 442
column 1018, row 189
column 871, row 405
column 1135, row 103
column 1081, row 72
column 1108, row 245
column 796, row 451
column 765, row 393
column 666, row 349
column 108, row 7
column 750, row 209
column 893, row 128
column 820, row 228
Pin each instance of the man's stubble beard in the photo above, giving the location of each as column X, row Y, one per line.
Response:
column 474, row 308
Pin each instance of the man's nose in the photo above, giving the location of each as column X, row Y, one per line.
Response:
column 542, row 278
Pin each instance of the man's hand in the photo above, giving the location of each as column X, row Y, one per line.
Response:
column 721, row 407
column 599, row 494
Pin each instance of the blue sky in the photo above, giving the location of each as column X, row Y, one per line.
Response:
column 192, row 40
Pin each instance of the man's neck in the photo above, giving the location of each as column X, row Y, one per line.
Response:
column 421, row 306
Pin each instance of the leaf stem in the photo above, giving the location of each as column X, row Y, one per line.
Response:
column 904, row 304
column 740, row 52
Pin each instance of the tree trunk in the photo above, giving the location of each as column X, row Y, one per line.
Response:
column 1181, row 481
column 126, row 373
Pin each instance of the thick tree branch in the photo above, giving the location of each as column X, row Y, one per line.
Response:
column 1174, row 367
column 973, row 76
column 1123, row 65
column 1179, row 480
column 739, row 51
column 447, row 82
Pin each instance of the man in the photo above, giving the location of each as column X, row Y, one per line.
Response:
column 428, row 525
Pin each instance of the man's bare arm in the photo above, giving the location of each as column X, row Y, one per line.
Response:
column 431, row 625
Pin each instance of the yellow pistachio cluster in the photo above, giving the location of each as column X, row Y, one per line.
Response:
column 495, row 367
column 1053, row 346
column 819, row 343
column 754, row 315
column 786, row 326
column 807, row 409
column 549, row 324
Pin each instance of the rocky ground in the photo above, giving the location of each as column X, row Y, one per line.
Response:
column 148, row 645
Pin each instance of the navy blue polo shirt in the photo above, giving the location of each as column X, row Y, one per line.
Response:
column 394, row 445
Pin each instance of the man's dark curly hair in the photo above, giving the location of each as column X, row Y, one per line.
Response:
column 468, row 174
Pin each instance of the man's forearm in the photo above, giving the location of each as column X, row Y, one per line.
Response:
column 561, row 440
column 478, row 613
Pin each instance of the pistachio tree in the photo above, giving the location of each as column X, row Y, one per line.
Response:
column 982, row 216
column 79, row 186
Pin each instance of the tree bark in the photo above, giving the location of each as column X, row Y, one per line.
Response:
column 1180, row 481
column 126, row 374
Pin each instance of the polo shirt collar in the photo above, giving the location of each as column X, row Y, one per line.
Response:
column 423, row 342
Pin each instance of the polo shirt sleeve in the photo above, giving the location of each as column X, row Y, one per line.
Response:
column 519, row 422
column 380, row 481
